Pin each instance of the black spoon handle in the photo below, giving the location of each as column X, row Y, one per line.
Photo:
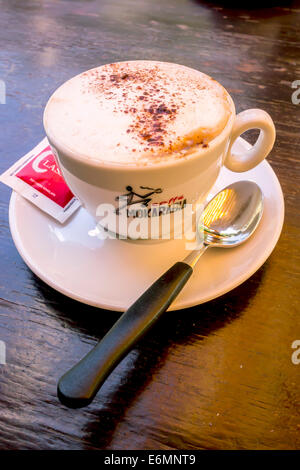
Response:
column 80, row 384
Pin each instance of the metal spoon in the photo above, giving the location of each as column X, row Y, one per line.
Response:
column 227, row 221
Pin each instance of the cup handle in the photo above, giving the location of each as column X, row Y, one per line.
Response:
column 251, row 119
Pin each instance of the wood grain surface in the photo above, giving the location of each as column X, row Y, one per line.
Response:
column 217, row 376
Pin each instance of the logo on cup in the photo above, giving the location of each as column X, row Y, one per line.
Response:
column 137, row 202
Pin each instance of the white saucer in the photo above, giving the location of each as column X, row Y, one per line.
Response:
column 111, row 274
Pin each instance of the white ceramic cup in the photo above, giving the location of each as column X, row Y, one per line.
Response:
column 169, row 182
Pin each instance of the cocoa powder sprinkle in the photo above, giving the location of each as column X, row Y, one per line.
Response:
column 150, row 111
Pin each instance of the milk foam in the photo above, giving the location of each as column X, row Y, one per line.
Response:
column 137, row 112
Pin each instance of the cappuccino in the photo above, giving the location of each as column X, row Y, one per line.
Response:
column 137, row 113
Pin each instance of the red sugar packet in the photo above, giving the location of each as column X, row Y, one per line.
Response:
column 37, row 177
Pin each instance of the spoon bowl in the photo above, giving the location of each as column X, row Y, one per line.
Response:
column 232, row 215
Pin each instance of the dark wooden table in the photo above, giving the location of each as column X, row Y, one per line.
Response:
column 217, row 376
